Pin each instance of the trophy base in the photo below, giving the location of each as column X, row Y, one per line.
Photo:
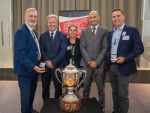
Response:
column 70, row 102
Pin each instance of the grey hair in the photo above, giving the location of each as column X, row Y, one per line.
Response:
column 50, row 16
column 30, row 9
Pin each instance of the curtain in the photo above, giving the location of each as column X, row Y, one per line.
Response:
column 131, row 8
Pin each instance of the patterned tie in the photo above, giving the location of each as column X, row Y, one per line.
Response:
column 52, row 36
column 93, row 33
column 39, row 56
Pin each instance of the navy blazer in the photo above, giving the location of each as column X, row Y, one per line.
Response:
column 54, row 50
column 130, row 49
column 25, row 52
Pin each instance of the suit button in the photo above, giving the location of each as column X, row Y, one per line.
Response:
column 37, row 52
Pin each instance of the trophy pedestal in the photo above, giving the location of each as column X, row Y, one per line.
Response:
column 70, row 102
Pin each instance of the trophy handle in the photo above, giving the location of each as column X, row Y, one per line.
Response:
column 83, row 71
column 57, row 76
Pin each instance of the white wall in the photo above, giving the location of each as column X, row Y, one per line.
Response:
column 6, row 22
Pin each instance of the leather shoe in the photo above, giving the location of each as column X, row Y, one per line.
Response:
column 113, row 112
column 33, row 111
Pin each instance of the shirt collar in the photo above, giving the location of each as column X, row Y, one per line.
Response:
column 52, row 32
column 30, row 28
column 95, row 27
column 121, row 28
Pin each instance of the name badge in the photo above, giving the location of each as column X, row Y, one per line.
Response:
column 113, row 57
column 68, row 48
column 125, row 37
column 124, row 33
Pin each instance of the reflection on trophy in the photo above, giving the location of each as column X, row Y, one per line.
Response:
column 70, row 101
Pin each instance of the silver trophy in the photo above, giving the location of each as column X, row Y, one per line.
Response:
column 70, row 101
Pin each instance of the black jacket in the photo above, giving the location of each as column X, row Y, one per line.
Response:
column 77, row 54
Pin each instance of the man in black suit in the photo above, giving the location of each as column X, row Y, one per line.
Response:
column 53, row 49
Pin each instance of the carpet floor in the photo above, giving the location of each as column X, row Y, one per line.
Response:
column 139, row 96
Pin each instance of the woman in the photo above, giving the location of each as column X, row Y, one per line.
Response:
column 73, row 48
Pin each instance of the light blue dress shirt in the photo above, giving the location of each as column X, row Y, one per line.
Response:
column 115, row 40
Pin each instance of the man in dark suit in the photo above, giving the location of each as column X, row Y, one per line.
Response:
column 53, row 49
column 26, row 60
column 94, row 47
column 124, row 46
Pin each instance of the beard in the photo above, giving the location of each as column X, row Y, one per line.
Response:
column 30, row 23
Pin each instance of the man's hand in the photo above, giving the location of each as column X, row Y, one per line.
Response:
column 92, row 64
column 120, row 60
column 38, row 70
column 49, row 64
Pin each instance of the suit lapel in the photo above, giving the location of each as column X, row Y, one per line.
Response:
column 111, row 35
column 76, row 44
column 90, row 33
column 109, row 41
column 98, row 32
column 124, row 30
column 30, row 33
column 48, row 39
column 56, row 37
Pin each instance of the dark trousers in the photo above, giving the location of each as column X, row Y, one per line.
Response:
column 100, row 82
column 46, row 80
column 119, row 84
column 27, row 85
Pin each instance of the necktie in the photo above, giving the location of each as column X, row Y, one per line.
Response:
column 39, row 56
column 94, row 33
column 52, row 36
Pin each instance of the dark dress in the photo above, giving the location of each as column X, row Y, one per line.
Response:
column 73, row 52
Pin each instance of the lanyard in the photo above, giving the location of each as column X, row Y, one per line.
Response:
column 72, row 47
column 117, row 35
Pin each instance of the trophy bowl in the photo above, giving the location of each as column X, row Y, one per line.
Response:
column 70, row 101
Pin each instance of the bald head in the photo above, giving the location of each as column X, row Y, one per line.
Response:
column 94, row 18
column 94, row 12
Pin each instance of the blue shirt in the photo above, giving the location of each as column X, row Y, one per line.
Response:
column 115, row 39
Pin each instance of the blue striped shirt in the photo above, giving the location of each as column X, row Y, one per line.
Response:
column 115, row 39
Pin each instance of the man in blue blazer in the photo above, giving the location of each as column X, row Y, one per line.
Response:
column 124, row 46
column 53, row 49
column 26, row 60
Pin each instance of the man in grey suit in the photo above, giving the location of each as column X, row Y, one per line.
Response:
column 94, row 47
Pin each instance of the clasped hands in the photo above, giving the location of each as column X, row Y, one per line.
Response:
column 49, row 64
column 38, row 70
column 92, row 64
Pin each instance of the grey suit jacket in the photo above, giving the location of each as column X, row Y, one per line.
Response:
column 94, row 49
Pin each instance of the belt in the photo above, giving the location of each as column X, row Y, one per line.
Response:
column 113, row 62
